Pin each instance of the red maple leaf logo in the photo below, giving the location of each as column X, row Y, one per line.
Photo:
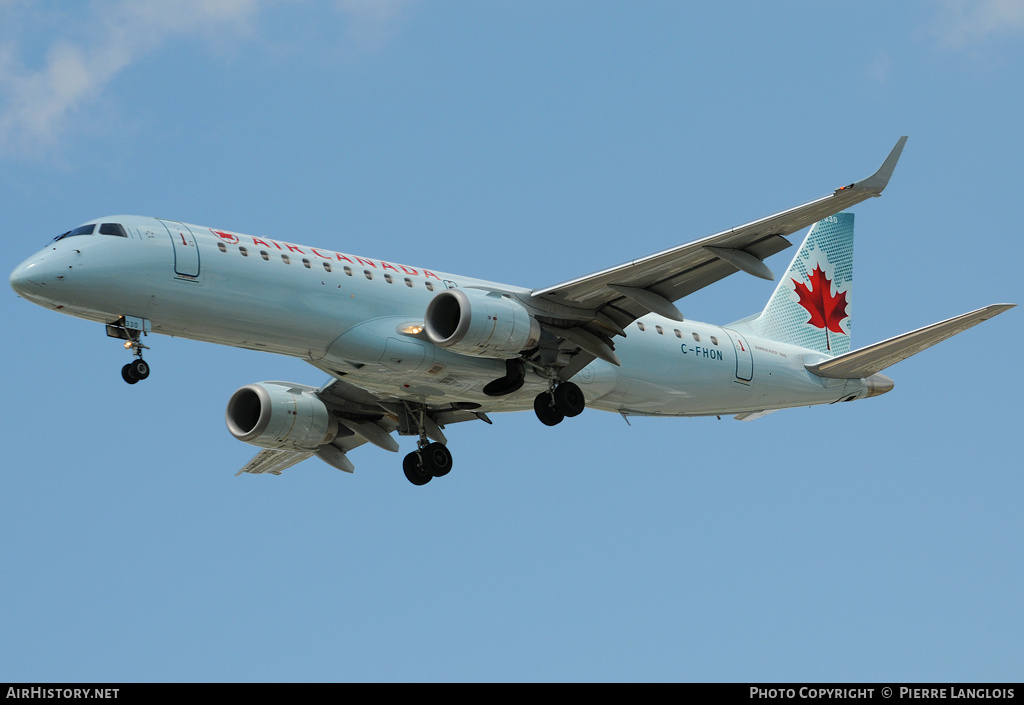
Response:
column 827, row 311
column 233, row 239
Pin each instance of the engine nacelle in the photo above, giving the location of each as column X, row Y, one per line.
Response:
column 280, row 416
column 485, row 324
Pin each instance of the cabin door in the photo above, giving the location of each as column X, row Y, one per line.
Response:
column 186, row 254
column 744, row 358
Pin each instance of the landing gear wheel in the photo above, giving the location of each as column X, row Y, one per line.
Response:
column 138, row 368
column 126, row 374
column 544, row 406
column 437, row 460
column 414, row 471
column 569, row 399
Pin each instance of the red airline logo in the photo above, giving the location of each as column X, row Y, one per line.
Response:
column 226, row 237
column 827, row 310
column 331, row 256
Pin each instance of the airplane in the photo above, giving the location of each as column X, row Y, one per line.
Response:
column 411, row 350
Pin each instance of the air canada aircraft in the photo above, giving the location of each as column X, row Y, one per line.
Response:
column 411, row 350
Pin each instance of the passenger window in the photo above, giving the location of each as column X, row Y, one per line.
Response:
column 245, row 252
column 265, row 255
column 305, row 263
column 222, row 247
column 408, row 282
column 661, row 331
column 113, row 229
column 696, row 337
column 368, row 273
column 679, row 333
column 641, row 326
column 348, row 270
column 429, row 285
column 714, row 340
column 387, row 278
column 327, row 266
column 286, row 259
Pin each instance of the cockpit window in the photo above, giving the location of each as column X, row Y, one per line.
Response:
column 80, row 230
column 113, row 229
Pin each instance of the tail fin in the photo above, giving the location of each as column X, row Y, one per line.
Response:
column 811, row 305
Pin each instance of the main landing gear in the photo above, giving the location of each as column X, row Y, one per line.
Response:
column 426, row 463
column 560, row 401
column 431, row 458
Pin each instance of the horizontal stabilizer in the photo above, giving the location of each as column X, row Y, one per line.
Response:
column 875, row 358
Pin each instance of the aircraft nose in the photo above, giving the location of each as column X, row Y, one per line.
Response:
column 23, row 279
column 34, row 278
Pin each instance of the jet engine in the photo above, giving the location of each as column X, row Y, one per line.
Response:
column 480, row 323
column 280, row 416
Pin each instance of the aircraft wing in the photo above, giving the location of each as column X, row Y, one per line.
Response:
column 650, row 284
column 363, row 417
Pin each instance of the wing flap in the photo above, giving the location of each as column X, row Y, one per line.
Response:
column 875, row 358
column 273, row 462
column 753, row 415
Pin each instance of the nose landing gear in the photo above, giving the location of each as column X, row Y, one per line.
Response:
column 131, row 330
column 135, row 371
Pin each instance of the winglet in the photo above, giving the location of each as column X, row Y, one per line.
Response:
column 880, row 179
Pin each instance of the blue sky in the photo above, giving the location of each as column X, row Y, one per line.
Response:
column 529, row 143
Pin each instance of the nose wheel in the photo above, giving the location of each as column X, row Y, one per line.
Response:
column 135, row 371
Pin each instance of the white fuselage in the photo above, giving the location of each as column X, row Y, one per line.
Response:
column 344, row 313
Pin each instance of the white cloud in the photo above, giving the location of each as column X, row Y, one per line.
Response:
column 964, row 23
column 92, row 45
column 371, row 23
column 36, row 102
column 880, row 67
